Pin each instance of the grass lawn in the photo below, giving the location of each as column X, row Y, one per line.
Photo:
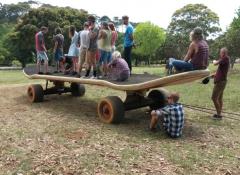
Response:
column 63, row 135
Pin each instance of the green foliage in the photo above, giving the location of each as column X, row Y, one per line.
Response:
column 148, row 38
column 4, row 52
column 21, row 41
column 183, row 22
column 11, row 12
column 17, row 63
column 229, row 39
column 190, row 16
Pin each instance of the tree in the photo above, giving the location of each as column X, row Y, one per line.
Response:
column 21, row 40
column 229, row 39
column 148, row 38
column 11, row 12
column 185, row 20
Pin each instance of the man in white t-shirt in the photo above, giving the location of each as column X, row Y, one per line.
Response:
column 84, row 45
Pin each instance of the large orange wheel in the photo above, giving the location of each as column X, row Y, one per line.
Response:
column 111, row 109
column 35, row 93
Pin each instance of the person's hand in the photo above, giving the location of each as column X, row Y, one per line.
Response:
column 214, row 61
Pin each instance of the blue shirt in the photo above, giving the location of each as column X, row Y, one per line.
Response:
column 173, row 119
column 127, row 40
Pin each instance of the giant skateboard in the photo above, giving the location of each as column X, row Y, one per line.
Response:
column 140, row 90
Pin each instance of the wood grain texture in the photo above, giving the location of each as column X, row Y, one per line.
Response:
column 185, row 77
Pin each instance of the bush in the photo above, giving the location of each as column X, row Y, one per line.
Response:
column 16, row 63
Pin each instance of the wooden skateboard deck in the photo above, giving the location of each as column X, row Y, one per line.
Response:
column 137, row 82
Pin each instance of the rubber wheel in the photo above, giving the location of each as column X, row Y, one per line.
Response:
column 159, row 98
column 35, row 93
column 77, row 90
column 111, row 110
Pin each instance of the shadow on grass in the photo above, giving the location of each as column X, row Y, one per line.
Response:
column 84, row 110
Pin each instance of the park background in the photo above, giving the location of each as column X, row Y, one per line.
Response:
column 63, row 135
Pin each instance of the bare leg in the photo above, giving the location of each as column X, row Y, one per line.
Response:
column 154, row 120
column 46, row 66
column 217, row 104
column 38, row 65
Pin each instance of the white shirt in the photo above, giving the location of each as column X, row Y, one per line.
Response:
column 84, row 39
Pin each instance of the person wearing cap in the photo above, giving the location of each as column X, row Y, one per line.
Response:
column 128, row 41
column 197, row 54
column 92, row 49
column 84, row 41
column 105, row 48
column 171, row 117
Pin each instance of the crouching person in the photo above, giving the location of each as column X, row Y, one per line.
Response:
column 171, row 117
column 118, row 68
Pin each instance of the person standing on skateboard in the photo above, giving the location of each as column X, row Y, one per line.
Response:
column 220, row 81
column 41, row 50
column 58, row 48
column 84, row 45
column 73, row 49
column 128, row 41
column 92, row 50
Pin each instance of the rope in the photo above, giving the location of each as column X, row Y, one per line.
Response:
column 209, row 111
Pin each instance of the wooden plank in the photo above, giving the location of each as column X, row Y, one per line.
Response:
column 185, row 77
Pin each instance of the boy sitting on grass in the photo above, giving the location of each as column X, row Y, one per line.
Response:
column 171, row 117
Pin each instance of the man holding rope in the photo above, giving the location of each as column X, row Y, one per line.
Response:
column 220, row 81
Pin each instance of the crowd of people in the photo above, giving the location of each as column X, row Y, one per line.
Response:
column 94, row 47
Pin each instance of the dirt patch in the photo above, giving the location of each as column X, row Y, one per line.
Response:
column 63, row 135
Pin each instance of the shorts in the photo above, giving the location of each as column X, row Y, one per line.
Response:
column 58, row 55
column 83, row 55
column 218, row 89
column 41, row 55
column 105, row 57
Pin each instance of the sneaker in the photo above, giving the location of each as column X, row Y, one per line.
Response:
column 55, row 72
column 78, row 76
column 93, row 77
column 100, row 77
column 74, row 73
column 47, row 73
column 84, row 76
column 40, row 73
column 217, row 117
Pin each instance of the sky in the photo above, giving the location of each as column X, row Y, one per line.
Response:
column 158, row 12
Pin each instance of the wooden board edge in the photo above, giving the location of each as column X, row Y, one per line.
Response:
column 171, row 80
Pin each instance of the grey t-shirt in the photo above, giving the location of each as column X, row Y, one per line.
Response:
column 60, row 39
column 93, row 41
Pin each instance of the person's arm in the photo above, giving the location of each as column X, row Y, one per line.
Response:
column 55, row 46
column 190, row 52
column 216, row 62
column 102, row 34
column 41, row 40
column 92, row 33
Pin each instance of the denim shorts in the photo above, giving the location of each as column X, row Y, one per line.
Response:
column 41, row 55
column 58, row 55
column 105, row 57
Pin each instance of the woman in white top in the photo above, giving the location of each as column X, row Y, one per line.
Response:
column 73, row 51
